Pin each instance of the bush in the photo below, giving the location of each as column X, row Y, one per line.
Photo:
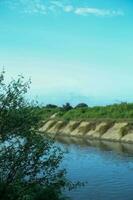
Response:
column 116, row 112
column 67, row 107
column 51, row 106
column 81, row 105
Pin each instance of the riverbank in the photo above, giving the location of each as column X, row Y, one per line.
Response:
column 93, row 130
column 117, row 112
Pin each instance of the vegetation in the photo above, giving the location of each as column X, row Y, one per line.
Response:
column 51, row 106
column 122, row 111
column 45, row 112
column 81, row 105
column 67, row 107
column 29, row 162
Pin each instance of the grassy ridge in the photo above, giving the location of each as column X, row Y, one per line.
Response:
column 115, row 111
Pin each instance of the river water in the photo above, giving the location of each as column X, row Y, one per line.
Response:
column 107, row 167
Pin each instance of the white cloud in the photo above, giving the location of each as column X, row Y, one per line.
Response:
column 97, row 12
column 33, row 6
column 68, row 8
column 65, row 8
column 57, row 3
column 41, row 7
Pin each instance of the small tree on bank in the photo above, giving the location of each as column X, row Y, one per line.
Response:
column 29, row 162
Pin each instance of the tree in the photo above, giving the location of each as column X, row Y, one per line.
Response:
column 51, row 106
column 29, row 162
column 16, row 114
column 82, row 105
column 67, row 107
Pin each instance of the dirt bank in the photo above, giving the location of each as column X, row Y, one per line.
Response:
column 110, row 131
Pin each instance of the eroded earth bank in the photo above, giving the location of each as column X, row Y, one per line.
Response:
column 106, row 130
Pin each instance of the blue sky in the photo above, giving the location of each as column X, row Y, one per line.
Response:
column 76, row 51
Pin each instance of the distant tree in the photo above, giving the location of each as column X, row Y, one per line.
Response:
column 81, row 105
column 67, row 107
column 51, row 106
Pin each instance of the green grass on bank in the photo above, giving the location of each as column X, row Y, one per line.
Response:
column 46, row 113
column 115, row 112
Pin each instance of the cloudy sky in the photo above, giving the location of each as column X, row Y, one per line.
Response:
column 73, row 50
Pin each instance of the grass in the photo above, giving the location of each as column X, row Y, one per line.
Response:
column 113, row 113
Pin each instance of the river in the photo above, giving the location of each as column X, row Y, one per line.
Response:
column 106, row 166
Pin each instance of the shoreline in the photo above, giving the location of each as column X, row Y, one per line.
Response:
column 93, row 130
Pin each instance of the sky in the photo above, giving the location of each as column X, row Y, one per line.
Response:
column 73, row 50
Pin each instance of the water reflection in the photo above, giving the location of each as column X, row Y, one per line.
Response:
column 120, row 148
column 106, row 166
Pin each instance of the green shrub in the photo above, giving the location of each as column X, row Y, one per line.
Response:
column 114, row 112
column 29, row 162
